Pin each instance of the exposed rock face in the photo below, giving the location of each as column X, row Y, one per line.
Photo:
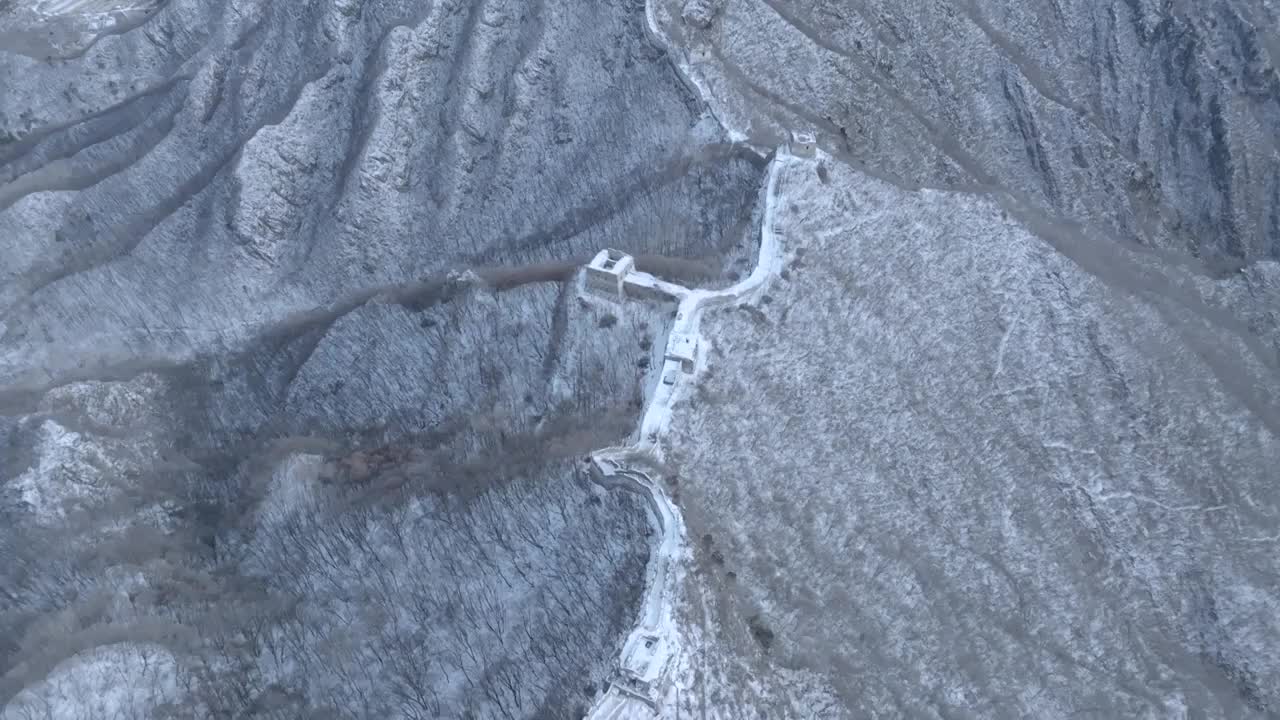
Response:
column 1151, row 122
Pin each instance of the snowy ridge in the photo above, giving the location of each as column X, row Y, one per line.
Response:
column 642, row 687
column 684, row 65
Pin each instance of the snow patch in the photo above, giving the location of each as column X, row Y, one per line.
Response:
column 67, row 474
column 291, row 486
column 124, row 680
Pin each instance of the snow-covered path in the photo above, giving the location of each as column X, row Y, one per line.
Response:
column 653, row 645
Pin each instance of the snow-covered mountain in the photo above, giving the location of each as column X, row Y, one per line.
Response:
column 973, row 414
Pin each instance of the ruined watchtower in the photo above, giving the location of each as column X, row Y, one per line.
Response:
column 607, row 271
column 803, row 144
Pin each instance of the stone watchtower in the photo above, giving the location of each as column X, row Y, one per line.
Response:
column 607, row 272
column 803, row 145
column 682, row 349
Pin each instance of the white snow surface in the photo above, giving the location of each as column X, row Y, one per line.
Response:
column 67, row 475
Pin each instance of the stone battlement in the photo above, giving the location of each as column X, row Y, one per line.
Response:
column 612, row 274
column 803, row 145
column 607, row 271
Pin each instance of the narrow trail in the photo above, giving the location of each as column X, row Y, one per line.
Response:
column 642, row 682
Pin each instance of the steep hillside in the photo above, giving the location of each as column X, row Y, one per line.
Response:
column 293, row 545
column 226, row 166
column 295, row 387
column 945, row 471
column 292, row 386
column 1144, row 122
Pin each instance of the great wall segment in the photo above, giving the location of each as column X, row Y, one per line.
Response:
column 643, row 681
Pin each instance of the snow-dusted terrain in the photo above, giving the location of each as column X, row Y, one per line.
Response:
column 951, row 472
column 110, row 681
column 652, row 652
column 1143, row 122
column 286, row 340
column 302, row 413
